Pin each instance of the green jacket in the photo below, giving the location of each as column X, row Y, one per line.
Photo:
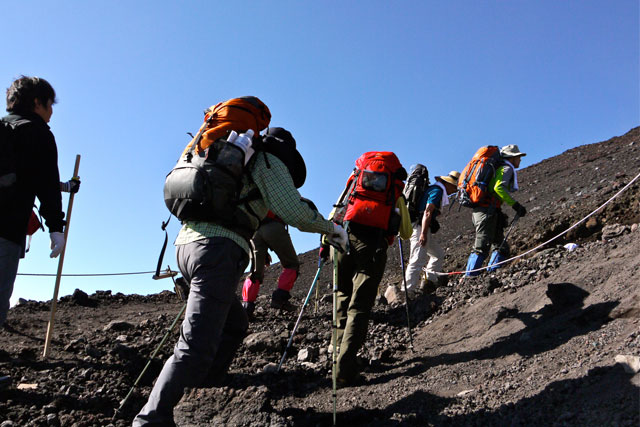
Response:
column 502, row 184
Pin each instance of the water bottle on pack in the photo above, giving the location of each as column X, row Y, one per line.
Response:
column 244, row 142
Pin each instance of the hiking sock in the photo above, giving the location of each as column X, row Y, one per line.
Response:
column 250, row 289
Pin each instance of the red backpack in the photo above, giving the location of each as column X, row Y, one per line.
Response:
column 372, row 191
column 33, row 225
column 473, row 184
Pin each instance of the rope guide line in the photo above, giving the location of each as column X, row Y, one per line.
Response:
column 88, row 275
column 622, row 190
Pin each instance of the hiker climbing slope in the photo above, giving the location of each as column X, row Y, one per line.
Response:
column 488, row 219
column 373, row 212
column 424, row 242
column 272, row 234
column 214, row 252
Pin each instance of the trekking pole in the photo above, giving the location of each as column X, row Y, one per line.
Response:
column 513, row 221
column 334, row 370
column 316, row 307
column 54, row 301
column 144, row 370
column 406, row 294
column 295, row 327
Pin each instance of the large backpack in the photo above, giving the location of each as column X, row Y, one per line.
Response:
column 473, row 184
column 417, row 184
column 8, row 158
column 239, row 114
column 372, row 191
column 206, row 182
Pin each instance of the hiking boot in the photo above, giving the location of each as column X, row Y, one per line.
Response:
column 182, row 288
column 356, row 381
column 414, row 292
column 5, row 381
column 443, row 281
column 430, row 287
column 249, row 308
column 280, row 300
column 283, row 305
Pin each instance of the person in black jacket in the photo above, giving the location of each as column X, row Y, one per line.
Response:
column 32, row 149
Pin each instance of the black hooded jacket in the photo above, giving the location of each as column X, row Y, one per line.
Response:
column 37, row 176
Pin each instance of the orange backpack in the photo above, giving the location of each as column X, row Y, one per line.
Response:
column 372, row 191
column 239, row 114
column 473, row 184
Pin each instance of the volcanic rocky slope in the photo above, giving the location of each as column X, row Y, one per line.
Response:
column 553, row 338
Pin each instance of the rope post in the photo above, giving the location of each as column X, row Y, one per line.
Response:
column 54, row 301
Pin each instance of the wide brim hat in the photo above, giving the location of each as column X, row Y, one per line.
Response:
column 282, row 144
column 452, row 178
column 511, row 150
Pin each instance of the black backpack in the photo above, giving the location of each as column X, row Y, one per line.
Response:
column 206, row 186
column 417, row 184
column 8, row 157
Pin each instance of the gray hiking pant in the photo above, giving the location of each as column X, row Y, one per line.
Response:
column 490, row 224
column 213, row 328
column 10, row 253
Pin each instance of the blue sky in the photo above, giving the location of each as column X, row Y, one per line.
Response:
column 429, row 80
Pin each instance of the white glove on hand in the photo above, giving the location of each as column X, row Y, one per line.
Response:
column 338, row 238
column 57, row 243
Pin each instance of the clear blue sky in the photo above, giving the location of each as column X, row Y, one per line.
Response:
column 429, row 80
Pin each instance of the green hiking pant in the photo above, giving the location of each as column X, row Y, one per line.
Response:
column 273, row 235
column 490, row 224
column 359, row 274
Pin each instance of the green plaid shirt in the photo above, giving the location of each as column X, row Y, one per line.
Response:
column 278, row 195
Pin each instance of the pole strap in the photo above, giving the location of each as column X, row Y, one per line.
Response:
column 164, row 246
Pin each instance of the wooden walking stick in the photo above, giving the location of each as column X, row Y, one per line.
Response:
column 54, row 301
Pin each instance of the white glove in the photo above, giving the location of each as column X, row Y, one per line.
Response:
column 338, row 238
column 57, row 243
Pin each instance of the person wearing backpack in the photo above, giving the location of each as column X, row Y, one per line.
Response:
column 373, row 211
column 214, row 253
column 488, row 219
column 424, row 243
column 28, row 169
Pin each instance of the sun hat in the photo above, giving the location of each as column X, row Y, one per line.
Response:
column 452, row 178
column 511, row 150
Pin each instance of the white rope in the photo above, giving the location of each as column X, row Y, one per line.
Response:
column 550, row 240
column 87, row 274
